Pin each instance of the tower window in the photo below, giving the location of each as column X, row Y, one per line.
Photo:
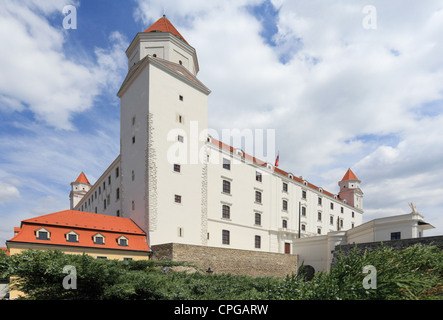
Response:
column 257, row 242
column 226, row 186
column 225, row 237
column 226, row 212
column 257, row 219
column 226, row 164
column 285, row 205
column 257, row 196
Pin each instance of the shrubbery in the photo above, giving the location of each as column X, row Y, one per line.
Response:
column 412, row 273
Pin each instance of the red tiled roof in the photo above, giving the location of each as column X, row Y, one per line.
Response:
column 277, row 170
column 5, row 250
column 82, row 178
column 164, row 25
column 86, row 225
column 349, row 175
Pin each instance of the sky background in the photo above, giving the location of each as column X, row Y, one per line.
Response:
column 340, row 90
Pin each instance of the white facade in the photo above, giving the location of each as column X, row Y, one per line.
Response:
column 172, row 180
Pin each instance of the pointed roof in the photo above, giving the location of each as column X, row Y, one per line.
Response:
column 164, row 25
column 82, row 178
column 349, row 175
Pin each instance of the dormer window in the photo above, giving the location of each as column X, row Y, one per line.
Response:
column 42, row 234
column 122, row 241
column 72, row 236
column 98, row 239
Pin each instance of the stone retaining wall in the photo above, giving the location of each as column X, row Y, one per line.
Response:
column 233, row 261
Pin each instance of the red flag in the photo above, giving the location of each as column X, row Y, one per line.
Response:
column 276, row 160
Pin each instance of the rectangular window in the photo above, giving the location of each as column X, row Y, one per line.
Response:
column 109, row 180
column 352, row 214
column 303, row 211
column 180, row 97
column 226, row 164
column 226, row 187
column 99, row 240
column 117, row 172
column 332, row 206
column 177, row 168
column 72, row 238
column 318, row 231
column 225, row 237
column 257, row 242
column 257, row 219
column 341, row 209
column 104, row 185
column 117, row 193
column 258, row 196
column 319, row 201
column 133, row 205
column 285, row 205
column 303, row 227
column 331, row 220
column 258, row 176
column 319, row 216
column 284, row 224
column 303, row 194
column 177, row 198
column 104, row 204
column 226, row 211
column 395, row 235
column 42, row 235
column 133, row 139
column 180, row 138
column 285, row 187
column 118, row 213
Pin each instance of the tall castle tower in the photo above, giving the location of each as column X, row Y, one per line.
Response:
column 350, row 190
column 163, row 110
column 78, row 189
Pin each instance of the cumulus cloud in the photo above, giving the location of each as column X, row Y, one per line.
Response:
column 343, row 96
column 8, row 193
column 36, row 72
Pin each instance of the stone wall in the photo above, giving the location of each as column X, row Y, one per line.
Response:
column 233, row 261
column 395, row 244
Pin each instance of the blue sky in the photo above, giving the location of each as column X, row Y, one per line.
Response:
column 337, row 94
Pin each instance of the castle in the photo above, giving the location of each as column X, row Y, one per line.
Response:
column 184, row 187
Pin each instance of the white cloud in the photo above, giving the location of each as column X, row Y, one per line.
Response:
column 8, row 193
column 345, row 97
column 38, row 74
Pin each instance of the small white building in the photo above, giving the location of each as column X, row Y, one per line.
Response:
column 318, row 251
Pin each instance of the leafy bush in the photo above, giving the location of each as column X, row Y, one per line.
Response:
column 412, row 273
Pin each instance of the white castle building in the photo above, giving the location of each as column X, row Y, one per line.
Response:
column 185, row 187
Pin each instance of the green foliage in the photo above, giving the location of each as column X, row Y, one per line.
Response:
column 412, row 273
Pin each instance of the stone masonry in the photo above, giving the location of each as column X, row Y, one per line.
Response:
column 224, row 260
